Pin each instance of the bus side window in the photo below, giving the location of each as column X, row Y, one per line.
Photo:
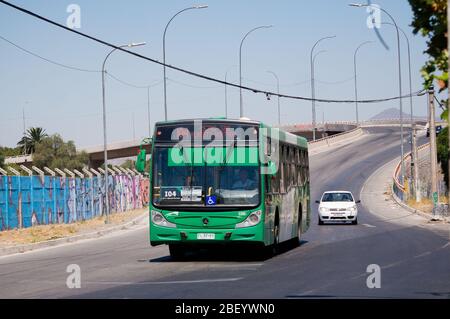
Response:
column 282, row 170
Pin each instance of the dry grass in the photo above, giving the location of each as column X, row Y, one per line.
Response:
column 426, row 205
column 48, row 232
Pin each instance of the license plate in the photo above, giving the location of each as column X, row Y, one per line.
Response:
column 206, row 236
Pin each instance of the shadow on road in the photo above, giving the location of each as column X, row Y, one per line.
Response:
column 230, row 253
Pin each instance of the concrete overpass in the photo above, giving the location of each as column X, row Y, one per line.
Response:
column 131, row 148
column 115, row 150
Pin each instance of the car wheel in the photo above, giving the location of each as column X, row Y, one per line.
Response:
column 355, row 222
column 320, row 222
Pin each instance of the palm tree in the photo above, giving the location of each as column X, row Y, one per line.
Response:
column 33, row 136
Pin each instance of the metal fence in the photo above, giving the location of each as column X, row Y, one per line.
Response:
column 26, row 201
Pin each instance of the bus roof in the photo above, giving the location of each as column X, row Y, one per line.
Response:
column 283, row 135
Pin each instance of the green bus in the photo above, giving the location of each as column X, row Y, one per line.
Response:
column 223, row 181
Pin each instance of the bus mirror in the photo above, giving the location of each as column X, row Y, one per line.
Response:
column 140, row 161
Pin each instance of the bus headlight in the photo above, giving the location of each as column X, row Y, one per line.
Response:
column 160, row 220
column 252, row 220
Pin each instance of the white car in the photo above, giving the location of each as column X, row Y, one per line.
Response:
column 338, row 206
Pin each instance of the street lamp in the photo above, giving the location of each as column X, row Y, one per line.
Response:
column 313, row 95
column 131, row 45
column 240, row 66
column 409, row 71
column 226, row 94
column 359, row 5
column 314, row 63
column 278, row 91
column 148, row 112
column 164, row 51
column 356, row 81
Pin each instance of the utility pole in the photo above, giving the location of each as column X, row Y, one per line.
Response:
column 415, row 165
column 433, row 148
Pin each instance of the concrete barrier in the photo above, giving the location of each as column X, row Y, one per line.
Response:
column 337, row 138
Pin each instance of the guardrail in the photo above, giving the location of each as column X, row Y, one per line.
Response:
column 336, row 138
column 399, row 189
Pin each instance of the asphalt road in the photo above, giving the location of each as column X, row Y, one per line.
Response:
column 331, row 262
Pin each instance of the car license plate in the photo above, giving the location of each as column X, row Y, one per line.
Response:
column 206, row 236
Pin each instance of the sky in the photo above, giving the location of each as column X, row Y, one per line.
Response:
column 206, row 41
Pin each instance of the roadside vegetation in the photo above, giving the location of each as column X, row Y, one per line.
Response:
column 430, row 21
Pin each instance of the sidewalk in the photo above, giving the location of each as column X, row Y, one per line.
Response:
column 38, row 237
column 376, row 196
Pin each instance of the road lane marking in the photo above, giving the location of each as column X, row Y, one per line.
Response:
column 127, row 283
column 423, row 254
column 368, row 225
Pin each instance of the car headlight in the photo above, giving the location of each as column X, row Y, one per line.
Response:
column 252, row 220
column 160, row 220
column 353, row 209
column 324, row 209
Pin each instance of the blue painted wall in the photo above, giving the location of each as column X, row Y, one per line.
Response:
column 27, row 201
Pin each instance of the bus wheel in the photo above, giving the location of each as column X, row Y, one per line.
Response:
column 176, row 251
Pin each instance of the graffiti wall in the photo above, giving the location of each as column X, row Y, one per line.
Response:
column 34, row 200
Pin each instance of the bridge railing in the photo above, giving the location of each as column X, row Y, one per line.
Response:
column 327, row 141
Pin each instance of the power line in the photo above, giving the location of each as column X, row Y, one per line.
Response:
column 76, row 68
column 48, row 60
column 439, row 102
column 194, row 86
column 205, row 77
column 133, row 85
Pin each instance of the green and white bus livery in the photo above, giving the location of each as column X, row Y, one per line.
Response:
column 219, row 181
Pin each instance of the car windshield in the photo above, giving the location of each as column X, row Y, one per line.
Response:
column 203, row 185
column 337, row 197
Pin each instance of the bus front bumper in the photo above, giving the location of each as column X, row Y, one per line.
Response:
column 166, row 235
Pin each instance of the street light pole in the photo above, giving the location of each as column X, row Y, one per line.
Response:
column 105, row 142
column 226, row 93
column 241, row 112
column 148, row 112
column 278, row 91
column 414, row 160
column 356, row 83
column 399, row 81
column 164, row 52
column 313, row 95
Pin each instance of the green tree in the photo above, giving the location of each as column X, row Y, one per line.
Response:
column 430, row 20
column 128, row 164
column 442, row 152
column 10, row 151
column 2, row 161
column 53, row 152
column 33, row 136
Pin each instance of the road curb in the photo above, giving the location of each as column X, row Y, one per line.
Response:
column 398, row 201
column 56, row 242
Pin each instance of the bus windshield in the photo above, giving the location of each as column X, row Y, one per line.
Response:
column 203, row 185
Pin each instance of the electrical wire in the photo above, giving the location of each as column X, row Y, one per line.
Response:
column 439, row 103
column 77, row 68
column 133, row 85
column 48, row 60
column 194, row 86
column 194, row 74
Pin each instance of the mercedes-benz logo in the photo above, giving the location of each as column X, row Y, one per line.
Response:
column 205, row 221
